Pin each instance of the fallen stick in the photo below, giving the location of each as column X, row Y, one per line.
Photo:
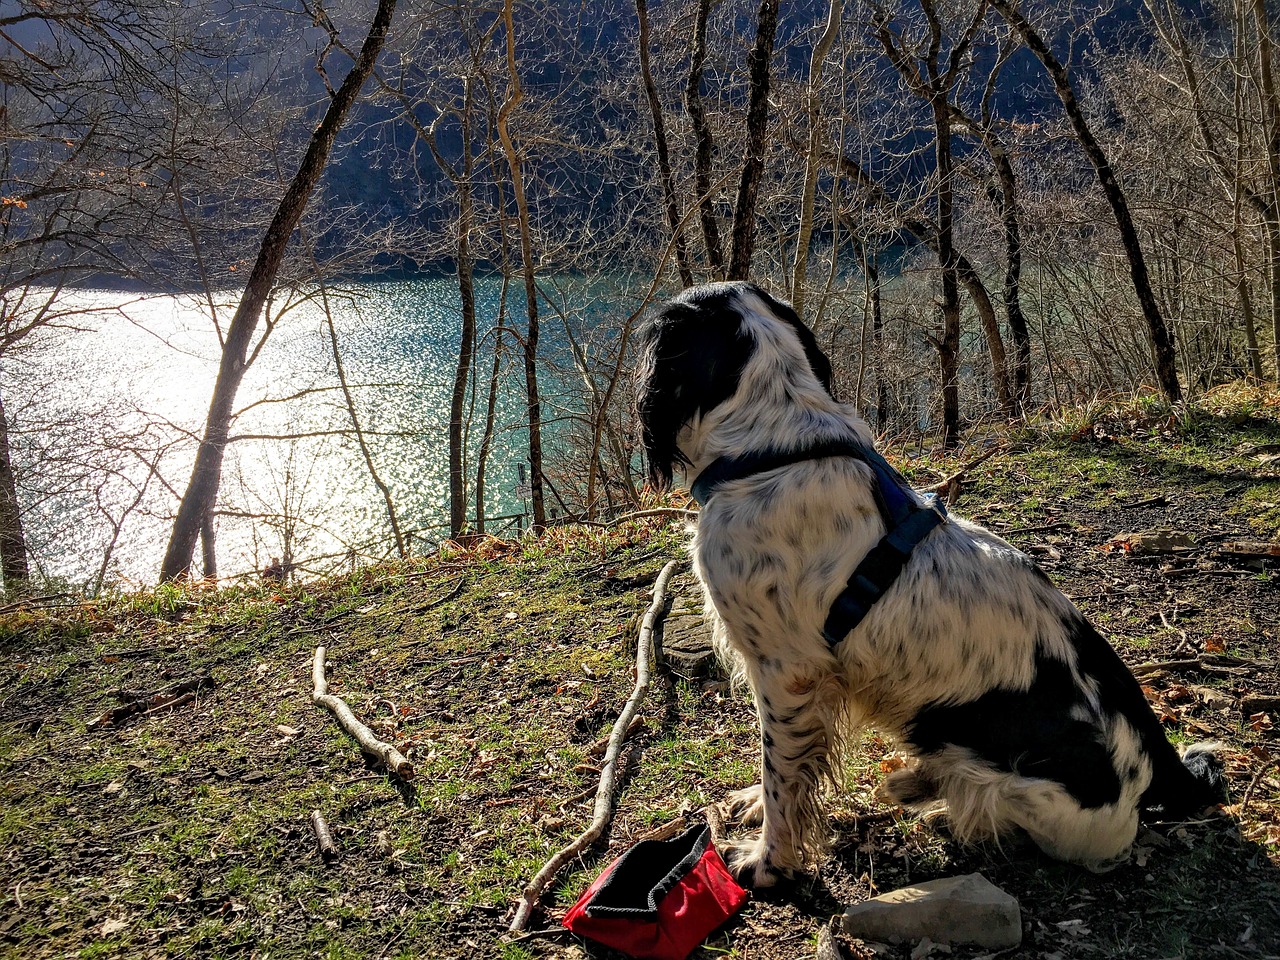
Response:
column 608, row 769
column 144, row 703
column 643, row 514
column 384, row 753
column 1258, row 704
column 169, row 704
column 324, row 839
column 945, row 485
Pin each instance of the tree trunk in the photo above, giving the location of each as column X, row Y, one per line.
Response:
column 1271, row 122
column 515, row 163
column 209, row 548
column 977, row 291
column 467, row 338
column 704, row 145
column 13, row 542
column 948, row 343
column 812, row 156
column 206, row 476
column 490, row 412
column 744, row 212
column 660, row 143
column 1007, row 203
column 1164, row 357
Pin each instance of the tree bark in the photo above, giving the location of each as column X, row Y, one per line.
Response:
column 948, row 343
column 809, row 191
column 1163, row 354
column 467, row 337
column 1271, row 122
column 13, row 542
column 744, row 212
column 515, row 96
column 209, row 548
column 206, row 476
column 704, row 144
column 660, row 143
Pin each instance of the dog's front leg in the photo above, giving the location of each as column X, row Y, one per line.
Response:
column 795, row 758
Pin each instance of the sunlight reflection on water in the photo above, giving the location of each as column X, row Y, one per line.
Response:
column 145, row 370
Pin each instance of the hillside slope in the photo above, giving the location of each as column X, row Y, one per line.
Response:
column 185, row 832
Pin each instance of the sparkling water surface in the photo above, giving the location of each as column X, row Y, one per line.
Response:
column 106, row 417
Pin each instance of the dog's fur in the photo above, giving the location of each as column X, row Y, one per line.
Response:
column 1017, row 712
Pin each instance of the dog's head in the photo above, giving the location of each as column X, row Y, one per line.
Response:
column 693, row 352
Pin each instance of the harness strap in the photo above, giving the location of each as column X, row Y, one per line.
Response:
column 727, row 469
column 880, row 569
column 908, row 522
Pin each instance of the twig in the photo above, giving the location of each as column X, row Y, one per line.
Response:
column 141, row 830
column 324, row 839
column 601, row 745
column 660, row 512
column 1167, row 666
column 140, row 652
column 608, row 770
column 385, row 753
column 945, row 485
column 177, row 701
column 457, row 589
column 551, row 933
column 1040, row 528
column 142, row 703
column 1253, row 785
column 1158, row 500
column 38, row 603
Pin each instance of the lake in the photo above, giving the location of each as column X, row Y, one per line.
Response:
column 105, row 418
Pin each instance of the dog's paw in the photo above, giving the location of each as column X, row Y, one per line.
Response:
column 749, row 862
column 908, row 787
column 744, row 807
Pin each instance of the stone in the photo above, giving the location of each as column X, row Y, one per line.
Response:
column 967, row 909
column 686, row 637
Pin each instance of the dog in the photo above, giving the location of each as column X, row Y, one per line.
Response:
column 1016, row 712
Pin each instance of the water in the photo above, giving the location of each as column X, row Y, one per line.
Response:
column 105, row 418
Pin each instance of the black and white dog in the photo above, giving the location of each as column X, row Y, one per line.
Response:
column 1017, row 712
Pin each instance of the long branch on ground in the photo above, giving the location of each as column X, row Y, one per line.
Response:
column 608, row 770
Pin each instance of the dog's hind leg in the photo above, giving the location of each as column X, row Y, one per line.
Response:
column 797, row 734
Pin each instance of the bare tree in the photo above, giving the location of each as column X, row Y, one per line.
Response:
column 1164, row 357
column 744, row 211
column 705, row 143
column 515, row 94
column 813, row 104
column 202, row 490
column 670, row 203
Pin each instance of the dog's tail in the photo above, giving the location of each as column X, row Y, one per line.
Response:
column 1182, row 786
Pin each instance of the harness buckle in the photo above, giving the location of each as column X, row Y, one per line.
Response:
column 934, row 503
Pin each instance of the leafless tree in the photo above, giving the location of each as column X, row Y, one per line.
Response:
column 202, row 490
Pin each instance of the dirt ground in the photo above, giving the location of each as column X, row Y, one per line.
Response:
column 185, row 832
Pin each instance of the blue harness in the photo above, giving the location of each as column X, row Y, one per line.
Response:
column 908, row 522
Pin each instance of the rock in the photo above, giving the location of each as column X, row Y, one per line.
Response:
column 968, row 909
column 828, row 949
column 686, row 637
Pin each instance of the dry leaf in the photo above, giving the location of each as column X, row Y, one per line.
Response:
column 892, row 763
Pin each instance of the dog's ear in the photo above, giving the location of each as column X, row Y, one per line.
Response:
column 691, row 359
column 818, row 361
